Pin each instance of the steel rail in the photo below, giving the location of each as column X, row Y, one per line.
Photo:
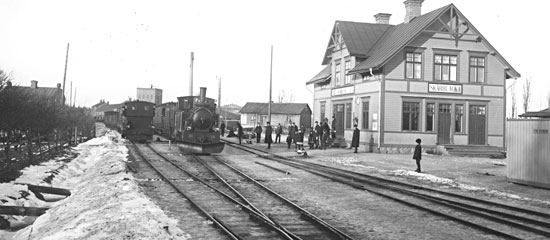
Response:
column 250, row 204
column 285, row 160
column 368, row 180
column 501, row 205
column 311, row 216
column 247, row 208
column 212, row 218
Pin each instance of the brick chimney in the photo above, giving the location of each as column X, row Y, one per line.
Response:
column 34, row 84
column 382, row 18
column 413, row 9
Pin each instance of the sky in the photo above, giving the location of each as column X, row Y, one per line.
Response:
column 118, row 46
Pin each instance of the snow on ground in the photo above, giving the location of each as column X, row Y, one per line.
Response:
column 352, row 162
column 106, row 202
column 466, row 187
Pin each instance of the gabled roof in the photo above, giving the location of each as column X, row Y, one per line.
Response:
column 397, row 37
column 110, row 107
column 358, row 37
column 325, row 74
column 40, row 92
column 540, row 114
column 276, row 108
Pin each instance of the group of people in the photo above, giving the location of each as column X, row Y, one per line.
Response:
column 317, row 138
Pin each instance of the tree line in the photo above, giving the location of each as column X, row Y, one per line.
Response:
column 27, row 118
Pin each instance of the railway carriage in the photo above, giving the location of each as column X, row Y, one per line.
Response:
column 137, row 120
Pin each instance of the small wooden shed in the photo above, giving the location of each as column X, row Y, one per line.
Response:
column 528, row 151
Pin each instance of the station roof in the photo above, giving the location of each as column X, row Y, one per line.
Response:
column 276, row 108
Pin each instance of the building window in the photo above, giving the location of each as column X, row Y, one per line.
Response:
column 413, row 65
column 430, row 116
column 410, row 116
column 459, row 118
column 445, row 67
column 348, row 78
column 323, row 111
column 337, row 75
column 477, row 69
column 477, row 110
column 365, row 115
column 324, row 85
column 348, row 115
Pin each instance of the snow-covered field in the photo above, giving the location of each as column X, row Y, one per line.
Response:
column 105, row 201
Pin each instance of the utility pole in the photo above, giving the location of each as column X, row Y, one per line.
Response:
column 191, row 76
column 74, row 100
column 71, row 95
column 270, row 83
column 219, row 96
column 65, row 75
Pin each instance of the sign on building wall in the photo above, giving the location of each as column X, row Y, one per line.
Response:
column 344, row 90
column 445, row 88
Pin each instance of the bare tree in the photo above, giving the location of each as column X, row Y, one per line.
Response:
column 526, row 93
column 514, row 101
column 281, row 97
column 548, row 99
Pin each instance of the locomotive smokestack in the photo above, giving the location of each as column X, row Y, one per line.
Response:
column 203, row 94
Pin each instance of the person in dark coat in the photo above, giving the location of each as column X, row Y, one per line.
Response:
column 333, row 133
column 268, row 132
column 240, row 132
column 222, row 128
column 418, row 154
column 324, row 138
column 291, row 132
column 288, row 141
column 278, row 131
column 318, row 134
column 355, row 138
column 258, row 131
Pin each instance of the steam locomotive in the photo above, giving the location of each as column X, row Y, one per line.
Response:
column 195, row 121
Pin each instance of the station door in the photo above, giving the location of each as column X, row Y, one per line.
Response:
column 339, row 114
column 444, row 124
column 476, row 129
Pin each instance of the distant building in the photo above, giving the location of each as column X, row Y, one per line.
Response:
column 433, row 76
column 234, row 108
column 152, row 95
column 99, row 114
column 46, row 95
column 98, row 105
column 283, row 113
column 539, row 114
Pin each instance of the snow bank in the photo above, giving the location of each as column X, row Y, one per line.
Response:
column 106, row 202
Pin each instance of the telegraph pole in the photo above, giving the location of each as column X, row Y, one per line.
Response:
column 65, row 75
column 220, row 97
column 270, row 83
column 191, row 76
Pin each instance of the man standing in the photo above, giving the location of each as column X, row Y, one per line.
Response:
column 278, row 131
column 258, row 131
column 291, row 132
column 268, row 131
column 239, row 132
column 222, row 128
column 355, row 138
column 318, row 134
column 333, row 133
column 418, row 154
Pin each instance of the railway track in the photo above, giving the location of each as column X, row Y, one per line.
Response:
column 238, row 205
column 502, row 220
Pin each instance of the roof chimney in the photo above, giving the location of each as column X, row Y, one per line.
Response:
column 382, row 18
column 34, row 84
column 413, row 9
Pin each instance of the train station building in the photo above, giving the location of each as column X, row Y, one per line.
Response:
column 433, row 77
